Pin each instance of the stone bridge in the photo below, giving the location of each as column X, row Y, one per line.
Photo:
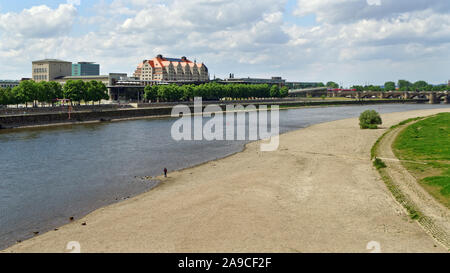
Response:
column 432, row 97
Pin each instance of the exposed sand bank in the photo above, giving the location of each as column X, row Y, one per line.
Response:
column 317, row 193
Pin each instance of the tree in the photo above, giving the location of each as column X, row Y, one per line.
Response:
column 96, row 91
column 332, row 85
column 3, row 98
column 274, row 91
column 358, row 88
column 404, row 85
column 7, row 96
column 284, row 92
column 73, row 90
column 16, row 97
column 43, row 92
column 420, row 86
column 26, row 91
column 55, row 92
column 374, row 88
column 389, row 86
column 188, row 92
column 438, row 88
column 369, row 119
column 151, row 93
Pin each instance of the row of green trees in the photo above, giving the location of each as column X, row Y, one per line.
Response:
column 30, row 92
column 213, row 91
column 402, row 85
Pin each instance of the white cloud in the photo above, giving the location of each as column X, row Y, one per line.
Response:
column 344, row 11
column 374, row 2
column 39, row 21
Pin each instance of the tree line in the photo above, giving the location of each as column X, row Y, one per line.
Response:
column 403, row 85
column 47, row 93
column 213, row 91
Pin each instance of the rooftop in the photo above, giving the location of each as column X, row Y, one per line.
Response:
column 82, row 77
column 50, row 61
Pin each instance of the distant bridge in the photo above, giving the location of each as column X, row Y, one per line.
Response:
column 432, row 97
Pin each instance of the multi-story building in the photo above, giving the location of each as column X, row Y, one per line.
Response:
column 161, row 69
column 8, row 83
column 50, row 69
column 85, row 69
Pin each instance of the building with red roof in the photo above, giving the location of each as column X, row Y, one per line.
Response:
column 162, row 69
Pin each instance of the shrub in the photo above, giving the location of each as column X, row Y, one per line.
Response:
column 369, row 119
column 379, row 164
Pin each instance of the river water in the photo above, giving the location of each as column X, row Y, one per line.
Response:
column 48, row 175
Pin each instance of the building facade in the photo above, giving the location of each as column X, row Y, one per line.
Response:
column 272, row 81
column 85, row 69
column 8, row 83
column 162, row 69
column 50, row 69
column 112, row 81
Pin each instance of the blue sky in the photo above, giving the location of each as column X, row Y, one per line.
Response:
column 348, row 41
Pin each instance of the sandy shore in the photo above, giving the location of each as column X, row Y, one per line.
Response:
column 317, row 193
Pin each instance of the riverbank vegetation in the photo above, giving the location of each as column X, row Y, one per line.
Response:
column 30, row 92
column 428, row 141
column 370, row 119
column 213, row 91
column 403, row 86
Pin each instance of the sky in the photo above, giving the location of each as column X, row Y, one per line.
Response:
column 346, row 41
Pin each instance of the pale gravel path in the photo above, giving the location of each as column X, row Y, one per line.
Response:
column 317, row 193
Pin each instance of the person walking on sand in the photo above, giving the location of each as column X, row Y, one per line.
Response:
column 165, row 172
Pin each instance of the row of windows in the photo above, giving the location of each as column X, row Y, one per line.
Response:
column 40, row 70
column 40, row 77
column 8, row 85
column 177, row 72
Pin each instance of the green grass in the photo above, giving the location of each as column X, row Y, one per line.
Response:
column 413, row 212
column 428, row 141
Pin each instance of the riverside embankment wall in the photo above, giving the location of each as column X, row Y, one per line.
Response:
column 23, row 120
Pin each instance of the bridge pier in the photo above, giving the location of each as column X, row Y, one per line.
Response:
column 447, row 98
column 433, row 98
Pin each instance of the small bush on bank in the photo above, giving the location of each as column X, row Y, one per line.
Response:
column 379, row 164
column 370, row 119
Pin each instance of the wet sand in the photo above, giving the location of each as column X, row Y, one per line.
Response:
column 317, row 193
